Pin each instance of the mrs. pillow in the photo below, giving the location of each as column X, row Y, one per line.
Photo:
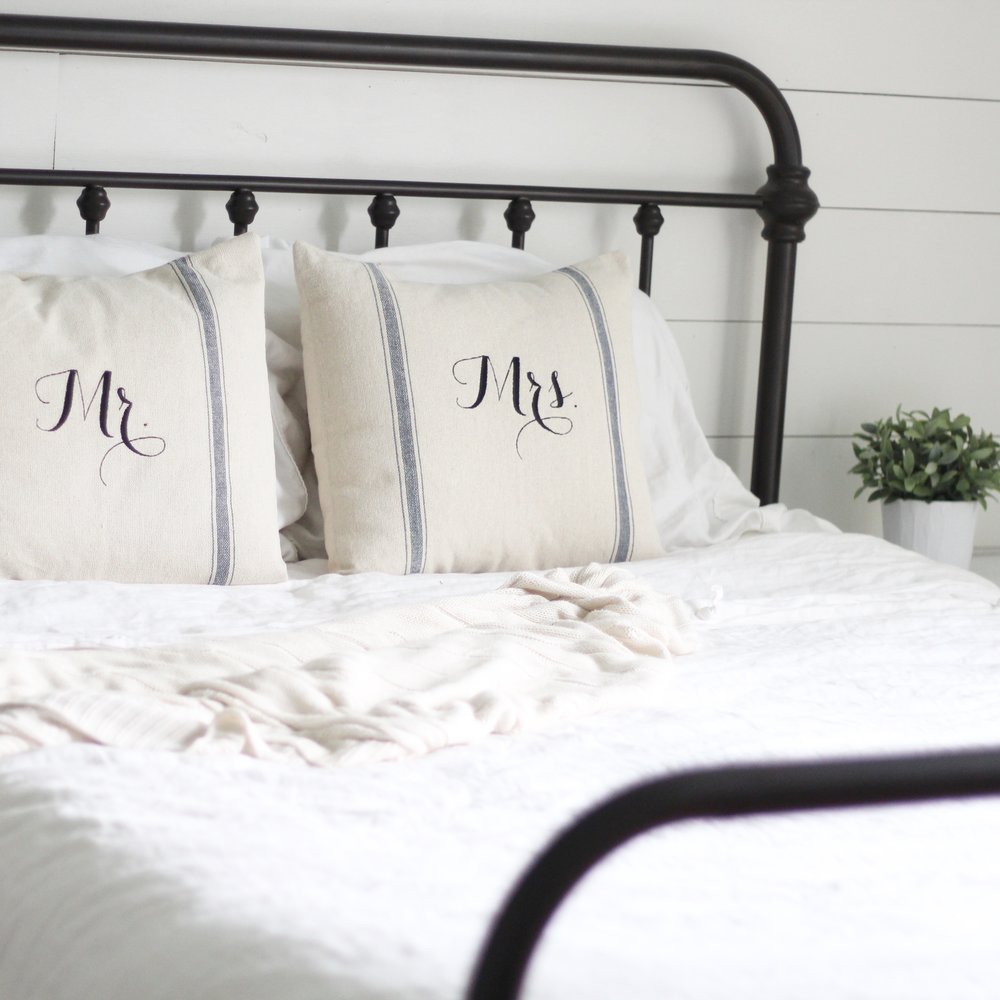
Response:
column 473, row 427
column 136, row 425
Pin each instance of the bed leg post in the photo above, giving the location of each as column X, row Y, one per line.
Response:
column 787, row 204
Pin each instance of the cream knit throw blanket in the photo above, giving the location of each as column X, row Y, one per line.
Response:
column 547, row 648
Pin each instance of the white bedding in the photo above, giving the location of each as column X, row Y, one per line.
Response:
column 140, row 874
column 546, row 648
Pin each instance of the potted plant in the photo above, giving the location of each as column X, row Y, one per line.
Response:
column 932, row 472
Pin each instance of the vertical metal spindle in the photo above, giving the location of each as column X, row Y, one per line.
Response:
column 93, row 204
column 787, row 204
column 648, row 221
column 383, row 211
column 519, row 217
column 241, row 208
column 769, row 425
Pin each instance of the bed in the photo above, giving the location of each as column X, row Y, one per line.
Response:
column 313, row 762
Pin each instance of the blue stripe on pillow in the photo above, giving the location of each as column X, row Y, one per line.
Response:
column 404, row 424
column 622, row 548
column 223, row 557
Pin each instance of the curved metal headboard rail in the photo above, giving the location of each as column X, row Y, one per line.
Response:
column 785, row 202
column 295, row 45
column 717, row 792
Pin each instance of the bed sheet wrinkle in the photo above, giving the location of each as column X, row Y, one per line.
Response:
column 541, row 650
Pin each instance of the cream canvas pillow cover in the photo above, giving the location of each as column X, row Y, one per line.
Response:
column 468, row 428
column 136, row 425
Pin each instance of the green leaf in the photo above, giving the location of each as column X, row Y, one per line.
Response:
column 929, row 456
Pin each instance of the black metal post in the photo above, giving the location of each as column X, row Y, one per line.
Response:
column 519, row 215
column 383, row 211
column 241, row 208
column 787, row 203
column 648, row 222
column 93, row 204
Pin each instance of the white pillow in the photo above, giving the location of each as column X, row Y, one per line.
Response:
column 134, row 411
column 473, row 427
column 696, row 498
column 77, row 256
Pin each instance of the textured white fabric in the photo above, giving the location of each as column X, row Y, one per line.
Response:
column 696, row 497
column 473, row 427
column 136, row 424
column 166, row 875
column 77, row 256
column 545, row 649
column 68, row 615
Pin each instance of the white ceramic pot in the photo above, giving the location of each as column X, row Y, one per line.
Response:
column 944, row 529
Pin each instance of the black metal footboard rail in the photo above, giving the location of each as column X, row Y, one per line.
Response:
column 785, row 202
column 718, row 792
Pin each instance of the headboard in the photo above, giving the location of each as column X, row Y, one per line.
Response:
column 785, row 202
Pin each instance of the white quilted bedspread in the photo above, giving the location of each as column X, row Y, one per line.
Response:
column 134, row 873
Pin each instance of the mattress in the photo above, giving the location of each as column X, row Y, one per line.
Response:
column 142, row 873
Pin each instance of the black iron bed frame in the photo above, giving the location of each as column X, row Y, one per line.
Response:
column 722, row 792
column 785, row 203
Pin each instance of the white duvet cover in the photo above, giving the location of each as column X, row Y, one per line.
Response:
column 129, row 874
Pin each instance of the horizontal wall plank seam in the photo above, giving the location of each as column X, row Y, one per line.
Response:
column 640, row 81
column 909, row 211
column 754, row 322
column 849, row 436
column 880, row 93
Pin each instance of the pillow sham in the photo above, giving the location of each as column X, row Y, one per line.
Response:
column 697, row 499
column 475, row 427
column 136, row 424
column 101, row 255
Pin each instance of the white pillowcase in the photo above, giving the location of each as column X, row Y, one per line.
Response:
column 134, row 410
column 77, row 256
column 474, row 427
column 696, row 498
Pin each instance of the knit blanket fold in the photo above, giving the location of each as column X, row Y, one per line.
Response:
column 546, row 648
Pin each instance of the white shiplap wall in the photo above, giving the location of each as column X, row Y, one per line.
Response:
column 898, row 103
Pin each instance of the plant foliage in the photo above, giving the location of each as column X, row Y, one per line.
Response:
column 916, row 456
